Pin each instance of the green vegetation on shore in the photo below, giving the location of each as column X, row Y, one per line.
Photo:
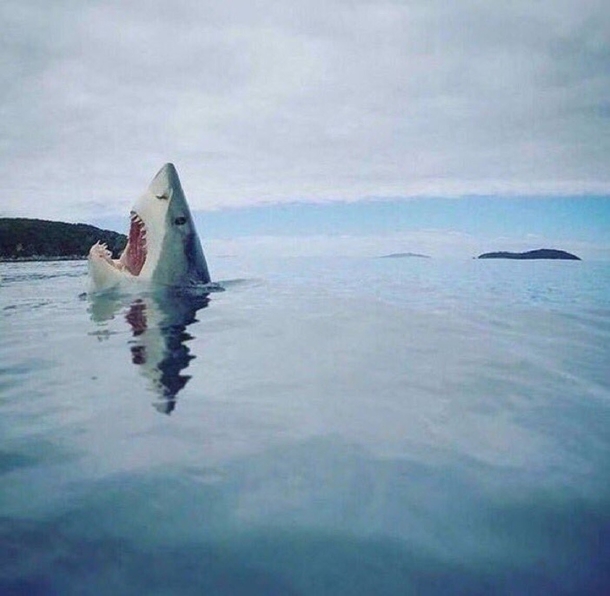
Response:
column 33, row 239
column 541, row 253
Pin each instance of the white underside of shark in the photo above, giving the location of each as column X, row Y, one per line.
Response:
column 163, row 246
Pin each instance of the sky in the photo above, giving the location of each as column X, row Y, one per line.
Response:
column 436, row 126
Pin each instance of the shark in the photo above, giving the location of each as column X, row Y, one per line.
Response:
column 163, row 247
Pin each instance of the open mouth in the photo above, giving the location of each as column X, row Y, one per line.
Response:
column 134, row 255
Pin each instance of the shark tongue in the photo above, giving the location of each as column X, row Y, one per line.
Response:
column 135, row 252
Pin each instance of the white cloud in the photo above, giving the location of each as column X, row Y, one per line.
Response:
column 267, row 101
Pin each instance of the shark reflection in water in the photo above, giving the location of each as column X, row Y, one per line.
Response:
column 158, row 323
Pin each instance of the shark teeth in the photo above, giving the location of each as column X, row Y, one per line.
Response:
column 134, row 255
column 101, row 251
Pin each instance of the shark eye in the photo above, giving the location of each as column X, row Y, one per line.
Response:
column 164, row 196
column 180, row 221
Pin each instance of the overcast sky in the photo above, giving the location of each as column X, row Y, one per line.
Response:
column 266, row 102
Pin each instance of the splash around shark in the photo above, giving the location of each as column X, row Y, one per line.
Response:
column 163, row 248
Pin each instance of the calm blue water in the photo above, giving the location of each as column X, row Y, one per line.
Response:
column 324, row 426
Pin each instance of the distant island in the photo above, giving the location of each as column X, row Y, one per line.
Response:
column 541, row 253
column 24, row 239
column 403, row 255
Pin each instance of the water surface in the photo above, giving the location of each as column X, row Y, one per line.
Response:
column 324, row 426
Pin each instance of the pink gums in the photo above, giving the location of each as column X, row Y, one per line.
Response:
column 136, row 247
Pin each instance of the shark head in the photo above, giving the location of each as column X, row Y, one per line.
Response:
column 163, row 246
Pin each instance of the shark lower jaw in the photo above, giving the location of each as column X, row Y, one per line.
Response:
column 134, row 255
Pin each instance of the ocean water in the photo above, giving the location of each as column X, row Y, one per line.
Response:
column 324, row 426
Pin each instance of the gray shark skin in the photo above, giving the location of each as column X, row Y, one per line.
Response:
column 163, row 247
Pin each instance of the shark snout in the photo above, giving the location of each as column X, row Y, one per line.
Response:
column 165, row 182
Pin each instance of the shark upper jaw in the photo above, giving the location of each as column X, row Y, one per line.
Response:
column 136, row 250
column 149, row 224
column 146, row 230
column 160, row 218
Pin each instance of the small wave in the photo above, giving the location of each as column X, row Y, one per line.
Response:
column 25, row 306
column 212, row 287
column 25, row 277
column 241, row 282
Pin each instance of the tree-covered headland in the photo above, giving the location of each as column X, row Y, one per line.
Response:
column 22, row 238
